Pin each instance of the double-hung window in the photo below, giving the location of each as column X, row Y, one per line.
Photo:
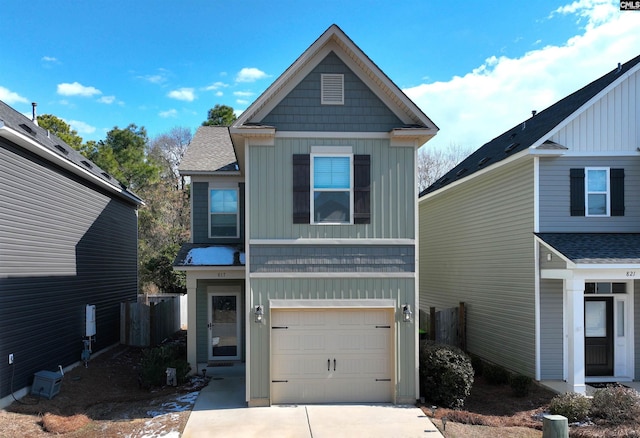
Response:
column 332, row 182
column 223, row 212
column 597, row 191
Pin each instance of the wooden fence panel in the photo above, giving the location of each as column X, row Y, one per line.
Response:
column 144, row 325
column 445, row 326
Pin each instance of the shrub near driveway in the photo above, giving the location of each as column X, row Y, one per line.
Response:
column 446, row 374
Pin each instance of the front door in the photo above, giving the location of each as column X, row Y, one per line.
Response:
column 224, row 326
column 598, row 346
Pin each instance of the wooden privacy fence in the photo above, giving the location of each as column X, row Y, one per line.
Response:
column 446, row 326
column 144, row 325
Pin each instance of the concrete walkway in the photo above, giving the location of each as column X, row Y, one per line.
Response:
column 220, row 411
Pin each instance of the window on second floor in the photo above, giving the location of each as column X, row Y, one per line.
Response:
column 223, row 213
column 332, row 195
column 597, row 192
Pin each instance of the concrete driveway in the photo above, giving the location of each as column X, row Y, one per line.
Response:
column 220, row 411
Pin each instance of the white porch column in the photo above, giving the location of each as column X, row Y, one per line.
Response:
column 192, row 328
column 574, row 310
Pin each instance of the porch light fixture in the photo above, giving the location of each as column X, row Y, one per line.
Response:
column 406, row 313
column 259, row 313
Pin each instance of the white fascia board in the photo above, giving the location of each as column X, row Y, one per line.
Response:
column 38, row 149
column 520, row 155
column 319, row 242
column 332, row 304
column 333, row 134
column 547, row 152
column 587, row 154
column 556, row 274
column 208, row 173
column 602, row 266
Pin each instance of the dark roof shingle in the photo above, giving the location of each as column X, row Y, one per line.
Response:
column 595, row 248
column 211, row 150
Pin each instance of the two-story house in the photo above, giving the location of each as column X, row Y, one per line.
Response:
column 68, row 242
column 303, row 260
column 538, row 232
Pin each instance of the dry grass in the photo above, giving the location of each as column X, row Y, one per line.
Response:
column 58, row 424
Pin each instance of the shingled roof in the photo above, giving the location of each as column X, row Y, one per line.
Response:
column 210, row 150
column 531, row 131
column 21, row 130
column 595, row 248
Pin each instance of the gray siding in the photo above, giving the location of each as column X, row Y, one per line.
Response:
column 477, row 246
column 362, row 111
column 555, row 263
column 393, row 191
column 335, row 258
column 554, row 196
column 551, row 330
column 636, row 328
column 63, row 244
column 400, row 289
column 200, row 215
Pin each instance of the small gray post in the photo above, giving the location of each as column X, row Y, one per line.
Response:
column 555, row 426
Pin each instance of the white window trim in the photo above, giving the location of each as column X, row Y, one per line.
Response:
column 607, row 193
column 336, row 82
column 223, row 187
column 313, row 189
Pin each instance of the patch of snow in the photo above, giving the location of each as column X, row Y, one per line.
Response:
column 213, row 255
column 180, row 404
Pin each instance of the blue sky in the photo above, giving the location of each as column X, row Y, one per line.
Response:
column 475, row 68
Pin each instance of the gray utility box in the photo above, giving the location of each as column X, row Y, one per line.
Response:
column 46, row 384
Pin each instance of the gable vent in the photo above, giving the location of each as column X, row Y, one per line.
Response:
column 332, row 89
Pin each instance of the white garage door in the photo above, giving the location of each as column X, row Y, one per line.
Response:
column 331, row 355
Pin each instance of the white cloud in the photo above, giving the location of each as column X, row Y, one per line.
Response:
column 242, row 102
column 219, row 94
column 50, row 59
column 11, row 97
column 107, row 99
column 243, row 93
column 185, row 94
column 472, row 109
column 250, row 74
column 77, row 89
column 169, row 113
column 81, row 127
column 216, row 86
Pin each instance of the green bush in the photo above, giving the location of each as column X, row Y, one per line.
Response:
column 520, row 385
column 155, row 362
column 495, row 374
column 446, row 374
column 615, row 404
column 572, row 405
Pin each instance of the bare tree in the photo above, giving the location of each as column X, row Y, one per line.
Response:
column 169, row 148
column 433, row 163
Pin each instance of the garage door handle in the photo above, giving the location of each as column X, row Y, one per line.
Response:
column 334, row 364
column 328, row 364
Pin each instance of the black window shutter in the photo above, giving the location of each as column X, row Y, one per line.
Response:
column 361, row 189
column 617, row 191
column 577, row 192
column 301, row 188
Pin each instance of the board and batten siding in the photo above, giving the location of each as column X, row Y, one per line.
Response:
column 362, row 111
column 264, row 289
column 551, row 330
column 609, row 125
column 477, row 246
column 63, row 244
column 636, row 328
column 271, row 190
column 555, row 214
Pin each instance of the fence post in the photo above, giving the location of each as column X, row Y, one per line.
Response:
column 462, row 326
column 432, row 323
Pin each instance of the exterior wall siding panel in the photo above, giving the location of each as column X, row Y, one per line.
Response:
column 554, row 196
column 609, row 125
column 471, row 249
column 392, row 191
column 63, row 245
column 551, row 330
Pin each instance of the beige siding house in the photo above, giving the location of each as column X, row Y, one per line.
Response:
column 538, row 232
column 303, row 259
